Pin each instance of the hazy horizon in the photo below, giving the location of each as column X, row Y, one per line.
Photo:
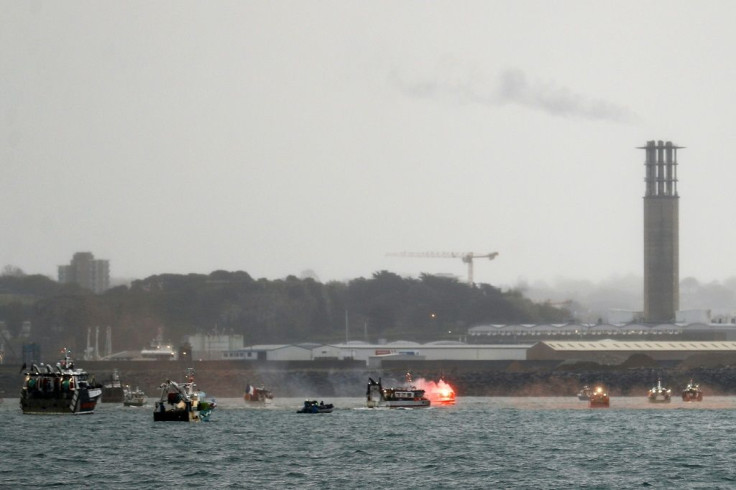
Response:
column 284, row 137
column 597, row 297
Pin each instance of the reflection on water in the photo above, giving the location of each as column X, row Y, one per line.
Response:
column 521, row 403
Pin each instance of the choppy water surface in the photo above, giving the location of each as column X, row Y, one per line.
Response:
column 478, row 443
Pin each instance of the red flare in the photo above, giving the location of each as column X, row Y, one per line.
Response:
column 439, row 393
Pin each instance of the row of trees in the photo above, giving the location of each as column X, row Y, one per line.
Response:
column 385, row 306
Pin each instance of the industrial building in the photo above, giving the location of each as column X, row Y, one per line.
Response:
column 208, row 347
column 601, row 350
column 512, row 334
column 616, row 352
column 267, row 352
column 490, row 345
column 372, row 354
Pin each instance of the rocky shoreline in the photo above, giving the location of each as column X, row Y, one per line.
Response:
column 339, row 379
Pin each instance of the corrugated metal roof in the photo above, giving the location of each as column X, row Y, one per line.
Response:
column 627, row 327
column 433, row 346
column 264, row 347
column 614, row 345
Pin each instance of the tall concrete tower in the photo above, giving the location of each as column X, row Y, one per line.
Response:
column 661, row 233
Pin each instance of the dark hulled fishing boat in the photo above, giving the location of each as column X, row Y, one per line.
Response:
column 692, row 393
column 182, row 402
column 599, row 398
column 60, row 389
column 112, row 389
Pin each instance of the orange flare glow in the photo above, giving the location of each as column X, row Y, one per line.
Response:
column 439, row 393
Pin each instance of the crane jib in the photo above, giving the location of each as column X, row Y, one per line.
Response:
column 466, row 257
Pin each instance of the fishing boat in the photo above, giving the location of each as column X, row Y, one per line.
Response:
column 257, row 396
column 60, row 389
column 112, row 389
column 311, row 406
column 182, row 402
column 692, row 393
column 133, row 398
column 402, row 397
column 659, row 394
column 599, row 398
column 584, row 393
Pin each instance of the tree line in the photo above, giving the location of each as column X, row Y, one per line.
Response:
column 291, row 310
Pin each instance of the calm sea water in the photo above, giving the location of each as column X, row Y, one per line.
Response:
column 540, row 443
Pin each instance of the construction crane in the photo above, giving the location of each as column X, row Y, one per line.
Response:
column 467, row 257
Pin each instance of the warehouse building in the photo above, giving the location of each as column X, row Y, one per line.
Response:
column 616, row 352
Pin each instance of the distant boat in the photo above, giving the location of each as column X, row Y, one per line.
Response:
column 259, row 396
column 584, row 393
column 112, row 389
column 311, row 406
column 60, row 389
column 692, row 393
column 659, row 394
column 133, row 398
column 599, row 398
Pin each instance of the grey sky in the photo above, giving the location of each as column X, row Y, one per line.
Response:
column 276, row 137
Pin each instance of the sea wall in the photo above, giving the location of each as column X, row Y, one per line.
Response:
column 348, row 379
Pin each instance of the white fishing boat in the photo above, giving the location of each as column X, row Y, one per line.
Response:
column 377, row 396
column 660, row 394
column 584, row 393
column 133, row 398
